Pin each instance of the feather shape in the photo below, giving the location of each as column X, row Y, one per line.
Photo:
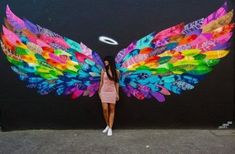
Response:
column 48, row 61
column 175, row 59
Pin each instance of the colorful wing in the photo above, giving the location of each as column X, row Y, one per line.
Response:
column 175, row 59
column 48, row 61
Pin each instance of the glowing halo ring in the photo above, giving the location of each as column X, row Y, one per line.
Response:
column 108, row 40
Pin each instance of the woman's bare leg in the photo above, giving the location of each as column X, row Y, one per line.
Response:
column 111, row 114
column 106, row 112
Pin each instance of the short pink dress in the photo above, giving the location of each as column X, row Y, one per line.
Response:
column 108, row 91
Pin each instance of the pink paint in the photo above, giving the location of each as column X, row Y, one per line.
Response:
column 57, row 58
column 80, row 57
column 200, row 39
column 135, row 59
column 11, row 37
column 172, row 31
column 15, row 21
column 164, row 91
column 85, row 50
column 41, row 43
column 215, row 15
column 77, row 93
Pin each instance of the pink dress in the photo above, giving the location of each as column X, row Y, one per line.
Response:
column 108, row 91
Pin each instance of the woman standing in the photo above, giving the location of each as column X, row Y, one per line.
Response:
column 109, row 92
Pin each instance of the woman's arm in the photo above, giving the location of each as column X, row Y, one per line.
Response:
column 117, row 83
column 101, row 80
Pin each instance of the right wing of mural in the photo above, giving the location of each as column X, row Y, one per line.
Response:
column 175, row 59
column 48, row 61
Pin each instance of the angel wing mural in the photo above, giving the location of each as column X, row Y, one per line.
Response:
column 170, row 61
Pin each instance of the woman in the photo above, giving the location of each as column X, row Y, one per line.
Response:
column 109, row 92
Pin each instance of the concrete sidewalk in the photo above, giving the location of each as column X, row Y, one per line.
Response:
column 188, row 141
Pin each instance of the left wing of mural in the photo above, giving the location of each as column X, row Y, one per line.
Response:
column 48, row 61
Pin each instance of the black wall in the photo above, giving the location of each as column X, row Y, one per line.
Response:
column 209, row 105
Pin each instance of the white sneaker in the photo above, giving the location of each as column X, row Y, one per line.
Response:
column 106, row 129
column 110, row 132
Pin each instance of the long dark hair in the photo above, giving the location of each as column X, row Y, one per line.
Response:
column 112, row 66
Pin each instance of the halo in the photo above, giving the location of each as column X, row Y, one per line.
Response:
column 108, row 40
